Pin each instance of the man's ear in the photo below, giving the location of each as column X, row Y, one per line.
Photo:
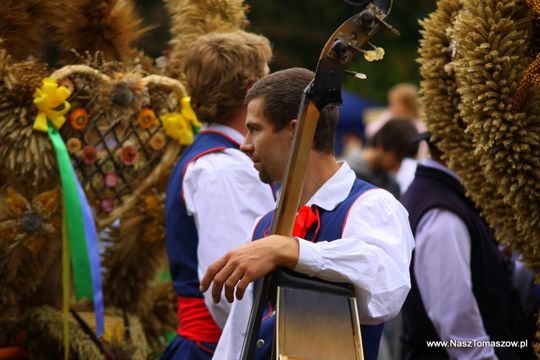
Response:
column 293, row 124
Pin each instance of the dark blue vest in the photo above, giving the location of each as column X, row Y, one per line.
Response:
column 497, row 300
column 181, row 232
column 331, row 228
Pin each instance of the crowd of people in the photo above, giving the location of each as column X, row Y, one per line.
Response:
column 390, row 218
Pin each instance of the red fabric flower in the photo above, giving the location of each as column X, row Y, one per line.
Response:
column 129, row 154
column 89, row 154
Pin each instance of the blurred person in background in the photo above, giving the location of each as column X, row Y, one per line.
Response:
column 389, row 161
column 392, row 157
column 402, row 104
column 366, row 164
column 396, row 150
column 461, row 285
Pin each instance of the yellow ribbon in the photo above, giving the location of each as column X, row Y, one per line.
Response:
column 179, row 126
column 188, row 112
column 48, row 99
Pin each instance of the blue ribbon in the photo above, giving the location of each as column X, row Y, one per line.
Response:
column 93, row 254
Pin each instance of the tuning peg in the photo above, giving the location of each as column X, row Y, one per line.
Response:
column 388, row 26
column 358, row 3
column 357, row 75
column 339, row 49
column 365, row 20
column 376, row 53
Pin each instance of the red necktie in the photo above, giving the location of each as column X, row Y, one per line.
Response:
column 305, row 218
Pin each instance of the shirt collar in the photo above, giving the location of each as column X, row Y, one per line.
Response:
column 226, row 130
column 335, row 190
column 437, row 165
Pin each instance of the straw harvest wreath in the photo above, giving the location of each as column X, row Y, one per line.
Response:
column 123, row 123
column 480, row 67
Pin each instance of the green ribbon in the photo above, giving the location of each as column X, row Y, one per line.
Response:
column 80, row 262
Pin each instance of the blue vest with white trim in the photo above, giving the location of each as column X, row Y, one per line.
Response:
column 331, row 228
column 181, row 232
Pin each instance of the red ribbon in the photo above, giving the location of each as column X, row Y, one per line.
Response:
column 306, row 217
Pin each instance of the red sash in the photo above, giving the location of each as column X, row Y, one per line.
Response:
column 195, row 322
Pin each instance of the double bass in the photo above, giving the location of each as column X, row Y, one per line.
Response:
column 311, row 311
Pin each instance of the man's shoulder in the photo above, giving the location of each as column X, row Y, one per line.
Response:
column 231, row 168
column 373, row 198
column 222, row 161
column 365, row 189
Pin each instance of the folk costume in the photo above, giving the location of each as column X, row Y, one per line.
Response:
column 213, row 197
column 461, row 287
column 357, row 234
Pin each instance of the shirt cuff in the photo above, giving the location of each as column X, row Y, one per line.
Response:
column 309, row 258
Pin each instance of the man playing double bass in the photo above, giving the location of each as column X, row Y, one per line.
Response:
column 346, row 231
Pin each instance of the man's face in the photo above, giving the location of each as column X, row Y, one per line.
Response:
column 388, row 160
column 398, row 106
column 267, row 148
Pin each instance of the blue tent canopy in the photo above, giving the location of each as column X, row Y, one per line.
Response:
column 350, row 117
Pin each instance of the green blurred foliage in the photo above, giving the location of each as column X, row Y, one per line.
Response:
column 298, row 30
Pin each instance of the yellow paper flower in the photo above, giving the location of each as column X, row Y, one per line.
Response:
column 48, row 99
column 179, row 126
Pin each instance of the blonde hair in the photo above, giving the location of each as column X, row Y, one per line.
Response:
column 221, row 68
column 407, row 95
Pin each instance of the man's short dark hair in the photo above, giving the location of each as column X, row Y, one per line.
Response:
column 397, row 136
column 281, row 93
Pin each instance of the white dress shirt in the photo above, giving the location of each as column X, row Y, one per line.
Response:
column 374, row 255
column 405, row 174
column 224, row 194
column 442, row 267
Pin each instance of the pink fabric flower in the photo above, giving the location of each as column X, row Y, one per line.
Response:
column 110, row 180
column 106, row 205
